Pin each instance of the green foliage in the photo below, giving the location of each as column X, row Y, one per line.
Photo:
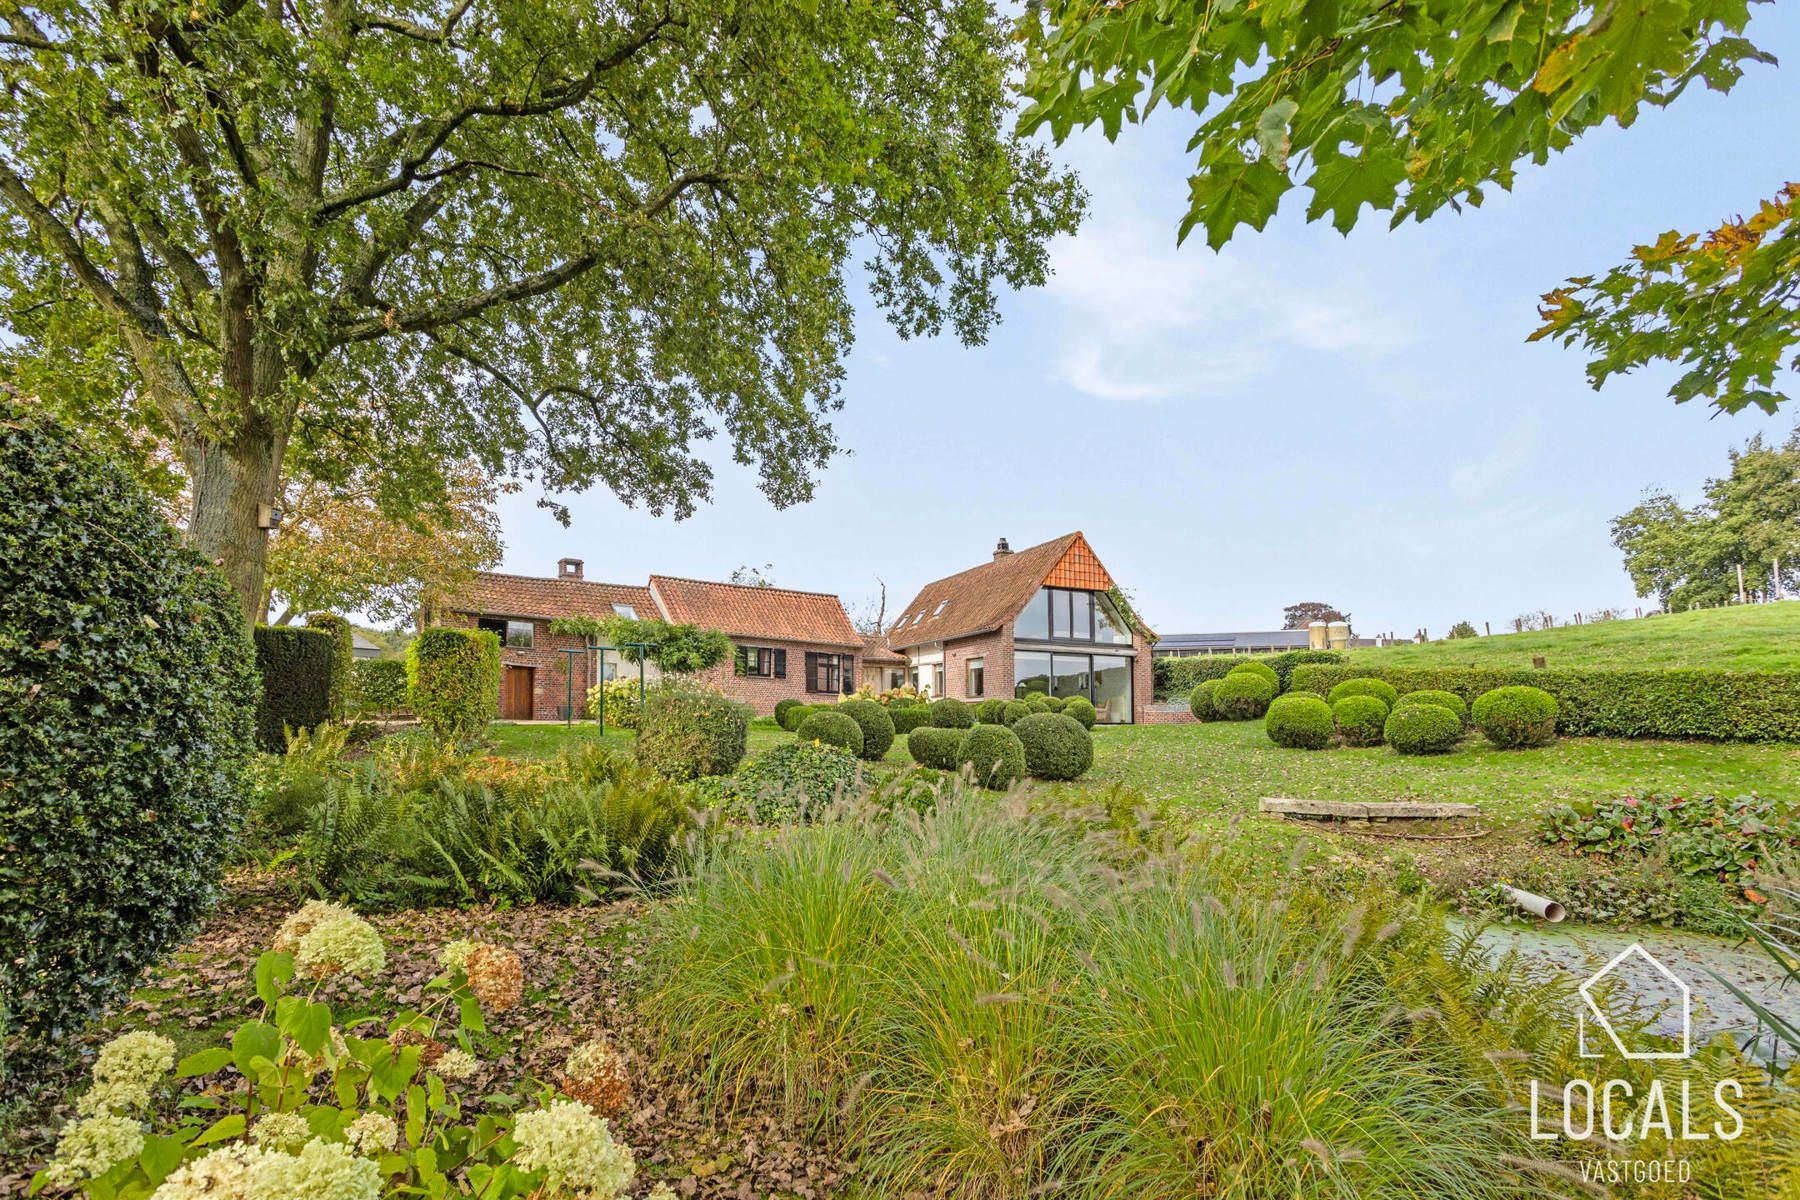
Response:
column 908, row 717
column 620, row 700
column 691, row 731
column 296, row 666
column 877, row 727
column 1055, row 703
column 127, row 707
column 1200, row 702
column 791, row 718
column 342, row 660
column 1422, row 729
column 1037, row 702
column 453, row 681
column 1462, row 630
column 1360, row 719
column 827, row 725
column 1469, row 92
column 1442, row 699
column 1082, row 709
column 673, row 648
column 950, row 713
column 991, row 712
column 1177, row 677
column 1299, row 723
column 1242, row 696
column 1703, row 836
column 994, row 755
column 796, row 780
column 784, row 706
column 1364, row 686
column 1516, row 717
column 1012, row 710
column 377, row 685
column 934, row 746
column 1056, row 747
column 1259, row 669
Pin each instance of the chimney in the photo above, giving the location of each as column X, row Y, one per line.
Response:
column 568, row 568
column 1001, row 550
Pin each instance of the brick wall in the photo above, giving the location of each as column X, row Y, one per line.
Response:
column 1167, row 714
column 996, row 649
column 761, row 692
column 550, row 679
column 1143, row 681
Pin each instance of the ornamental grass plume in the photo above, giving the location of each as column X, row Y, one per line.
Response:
column 496, row 976
column 595, row 1074
column 92, row 1146
column 575, row 1149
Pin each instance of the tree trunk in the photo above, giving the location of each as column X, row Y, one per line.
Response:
column 231, row 482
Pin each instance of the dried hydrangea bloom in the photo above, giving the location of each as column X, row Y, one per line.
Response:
column 281, row 1131
column 372, row 1133
column 222, row 1175
column 595, row 1074
column 300, row 922
column 575, row 1149
column 430, row 1048
column 140, row 1057
column 92, row 1147
column 342, row 945
column 321, row 1171
column 661, row 1191
column 496, row 976
column 455, row 956
column 114, row 1096
column 456, row 1064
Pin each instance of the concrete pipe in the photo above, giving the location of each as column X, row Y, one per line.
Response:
column 1537, row 906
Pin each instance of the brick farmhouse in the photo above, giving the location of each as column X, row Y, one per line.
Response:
column 1048, row 618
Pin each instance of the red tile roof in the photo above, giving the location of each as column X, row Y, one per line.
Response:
column 749, row 612
column 492, row 593
column 877, row 654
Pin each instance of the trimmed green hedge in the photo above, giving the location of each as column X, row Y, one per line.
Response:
column 1056, row 747
column 1359, row 719
column 1383, row 691
column 1449, row 700
column 830, row 727
column 908, row 717
column 790, row 717
column 1261, row 670
column 951, row 714
column 377, row 685
column 691, row 731
column 1513, row 718
column 935, row 746
column 1299, row 722
column 994, row 754
column 991, row 712
column 296, row 666
column 782, row 708
column 1742, row 706
column 453, row 680
column 1013, row 710
column 1422, row 729
column 877, row 727
column 342, row 661
column 1081, row 709
column 1242, row 696
column 1177, row 677
column 1200, row 703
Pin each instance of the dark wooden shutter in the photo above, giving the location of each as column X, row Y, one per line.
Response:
column 846, row 673
column 781, row 664
column 812, row 671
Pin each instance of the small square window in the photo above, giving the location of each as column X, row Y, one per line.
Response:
column 520, row 635
column 626, row 611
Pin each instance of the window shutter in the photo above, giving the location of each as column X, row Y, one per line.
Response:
column 846, row 673
column 781, row 664
column 812, row 671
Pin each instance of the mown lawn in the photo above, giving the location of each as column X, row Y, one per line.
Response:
column 1755, row 637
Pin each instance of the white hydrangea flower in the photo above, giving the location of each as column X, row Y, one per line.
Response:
column 114, row 1095
column 575, row 1149
column 222, row 1175
column 321, row 1171
column 141, row 1057
column 661, row 1191
column 341, row 945
column 301, row 921
column 373, row 1133
column 456, row 1064
column 455, row 956
column 281, row 1131
column 92, row 1146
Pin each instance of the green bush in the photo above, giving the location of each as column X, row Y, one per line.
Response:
column 377, row 685
column 296, row 667
column 1516, row 717
column 1422, row 729
column 692, row 731
column 828, row 726
column 1360, row 719
column 453, row 680
column 791, row 717
column 1449, row 700
column 127, row 722
column 1082, row 709
column 1013, row 710
column 951, row 714
column 1384, row 692
column 1200, row 702
column 1056, row 747
column 794, row 780
column 877, row 727
column 991, row 712
column 908, row 717
column 1242, row 696
column 785, row 706
column 1261, row 670
column 1037, row 702
column 1056, row 703
column 1299, row 722
column 618, row 701
column 342, row 662
column 994, row 754
column 1177, row 677
column 934, row 746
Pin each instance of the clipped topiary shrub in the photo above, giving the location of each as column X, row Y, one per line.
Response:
column 794, row 780
column 691, row 731
column 1365, row 686
column 1200, row 703
column 994, row 755
column 877, row 727
column 1514, row 718
column 1242, row 696
column 1261, row 670
column 1449, row 700
column 991, row 712
column 1422, row 729
column 829, row 727
column 1360, row 719
column 1013, row 710
column 1314, row 695
column 1037, row 702
column 951, row 714
column 295, row 665
column 783, row 708
column 1056, row 747
column 377, row 685
column 1082, row 709
column 453, row 680
column 790, row 718
column 1299, row 722
column 343, row 659
column 1056, row 703
column 127, row 723
column 934, row 746
column 908, row 717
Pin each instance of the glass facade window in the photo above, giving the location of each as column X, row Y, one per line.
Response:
column 1067, row 615
column 977, row 676
column 1112, row 688
column 1068, row 675
column 516, row 634
column 1034, row 618
column 1109, row 627
column 1031, row 672
column 1104, row 679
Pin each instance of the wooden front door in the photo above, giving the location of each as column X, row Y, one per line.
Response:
column 515, row 693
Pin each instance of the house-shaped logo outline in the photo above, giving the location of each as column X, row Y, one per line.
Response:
column 1605, row 1023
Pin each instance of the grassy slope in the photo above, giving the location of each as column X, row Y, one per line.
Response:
column 1757, row 637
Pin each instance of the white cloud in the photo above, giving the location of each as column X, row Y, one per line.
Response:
column 1471, row 479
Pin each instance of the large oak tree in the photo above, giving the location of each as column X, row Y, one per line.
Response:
column 563, row 238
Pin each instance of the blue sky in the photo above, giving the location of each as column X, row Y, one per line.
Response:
column 1303, row 416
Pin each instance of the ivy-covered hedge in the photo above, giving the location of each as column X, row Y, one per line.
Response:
column 342, row 660
column 377, row 685
column 453, row 680
column 296, row 667
column 127, row 717
column 1742, row 706
column 1175, row 678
